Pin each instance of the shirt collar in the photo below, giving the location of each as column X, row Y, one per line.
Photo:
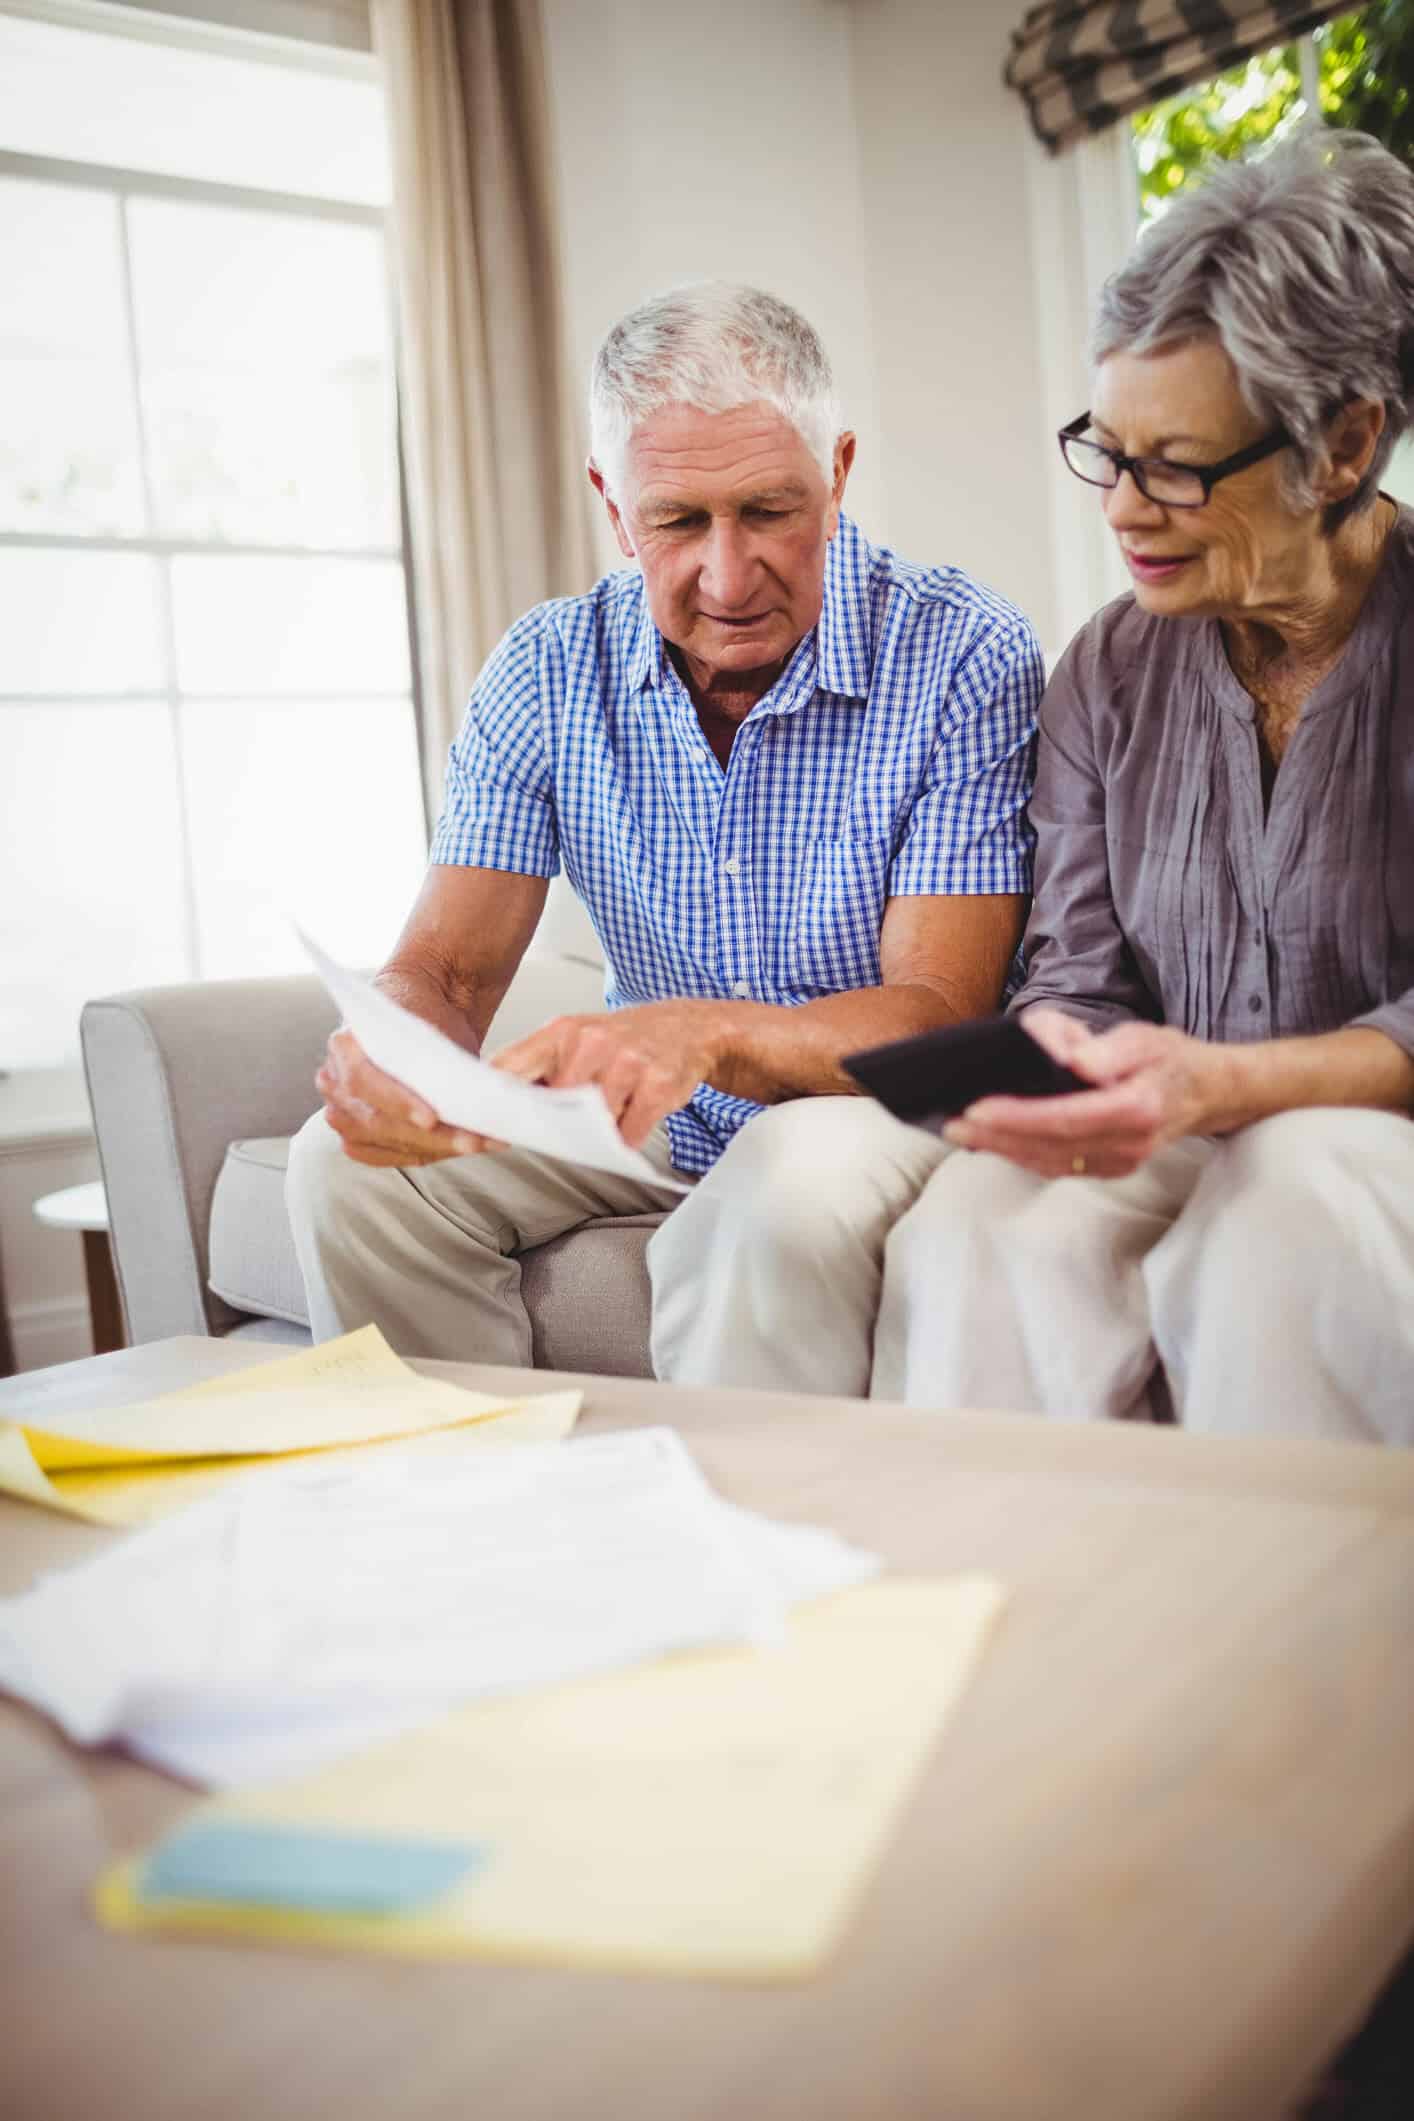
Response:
column 646, row 655
column 843, row 649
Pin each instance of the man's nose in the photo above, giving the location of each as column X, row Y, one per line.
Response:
column 1126, row 508
column 728, row 567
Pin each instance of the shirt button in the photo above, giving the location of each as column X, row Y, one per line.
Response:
column 1255, row 1004
column 732, row 867
column 741, row 986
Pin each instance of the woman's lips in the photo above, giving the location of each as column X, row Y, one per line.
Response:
column 1145, row 569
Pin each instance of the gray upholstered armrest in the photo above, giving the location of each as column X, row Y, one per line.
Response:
column 175, row 1074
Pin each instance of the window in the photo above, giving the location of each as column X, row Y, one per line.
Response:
column 1357, row 70
column 206, row 720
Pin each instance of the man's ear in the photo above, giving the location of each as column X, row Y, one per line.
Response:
column 844, row 459
column 1351, row 440
column 596, row 480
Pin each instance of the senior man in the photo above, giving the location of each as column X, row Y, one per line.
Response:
column 786, row 773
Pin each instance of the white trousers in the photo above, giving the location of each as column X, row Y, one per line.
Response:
column 1271, row 1274
column 768, row 1273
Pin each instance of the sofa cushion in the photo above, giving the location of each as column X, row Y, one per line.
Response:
column 587, row 1292
column 253, row 1264
column 588, row 1297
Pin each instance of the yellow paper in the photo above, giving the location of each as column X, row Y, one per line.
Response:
column 126, row 1465
column 716, row 1813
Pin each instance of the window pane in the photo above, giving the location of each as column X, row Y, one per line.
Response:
column 309, row 811
column 68, row 437
column 90, row 868
column 267, row 382
column 322, row 626
column 78, row 622
column 136, row 104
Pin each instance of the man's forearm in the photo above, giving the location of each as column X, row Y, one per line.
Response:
column 1360, row 1066
column 430, row 991
column 770, row 1053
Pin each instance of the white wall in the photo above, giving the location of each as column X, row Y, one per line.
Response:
column 862, row 159
column 944, row 151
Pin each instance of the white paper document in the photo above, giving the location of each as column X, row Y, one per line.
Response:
column 575, row 1125
column 322, row 1606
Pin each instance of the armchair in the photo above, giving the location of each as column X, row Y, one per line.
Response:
column 196, row 1091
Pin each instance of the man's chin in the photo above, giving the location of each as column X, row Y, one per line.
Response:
column 743, row 647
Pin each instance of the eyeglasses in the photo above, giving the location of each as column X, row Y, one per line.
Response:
column 1171, row 485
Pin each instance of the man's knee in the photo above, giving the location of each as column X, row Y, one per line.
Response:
column 818, row 1167
column 316, row 1174
column 815, row 1180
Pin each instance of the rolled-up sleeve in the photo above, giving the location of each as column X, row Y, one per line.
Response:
column 1396, row 1020
column 1074, row 949
column 968, row 830
column 498, row 811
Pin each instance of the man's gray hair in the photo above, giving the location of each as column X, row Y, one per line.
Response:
column 1301, row 266
column 715, row 346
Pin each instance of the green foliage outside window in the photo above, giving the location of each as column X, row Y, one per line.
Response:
column 1366, row 67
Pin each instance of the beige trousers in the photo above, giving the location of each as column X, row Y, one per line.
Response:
column 767, row 1273
column 1270, row 1273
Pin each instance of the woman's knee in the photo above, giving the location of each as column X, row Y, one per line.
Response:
column 1298, row 1155
column 958, row 1216
column 1283, row 1179
column 1279, row 1213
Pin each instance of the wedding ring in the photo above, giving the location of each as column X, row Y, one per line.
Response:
column 1077, row 1165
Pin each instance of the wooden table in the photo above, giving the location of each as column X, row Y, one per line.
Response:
column 1160, row 1864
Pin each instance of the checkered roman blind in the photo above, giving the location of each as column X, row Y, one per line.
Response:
column 1081, row 64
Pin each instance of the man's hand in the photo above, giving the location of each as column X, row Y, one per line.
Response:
column 646, row 1060
column 378, row 1119
column 1152, row 1086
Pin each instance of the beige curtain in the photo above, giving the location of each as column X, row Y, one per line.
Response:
column 1082, row 64
column 497, row 500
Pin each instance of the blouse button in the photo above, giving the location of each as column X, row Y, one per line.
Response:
column 1255, row 1004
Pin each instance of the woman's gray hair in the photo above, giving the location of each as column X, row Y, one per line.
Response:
column 715, row 346
column 1301, row 266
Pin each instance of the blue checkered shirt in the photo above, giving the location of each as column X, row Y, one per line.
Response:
column 893, row 756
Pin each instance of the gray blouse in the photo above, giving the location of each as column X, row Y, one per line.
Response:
column 1162, row 890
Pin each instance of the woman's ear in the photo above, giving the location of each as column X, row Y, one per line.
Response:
column 1351, row 440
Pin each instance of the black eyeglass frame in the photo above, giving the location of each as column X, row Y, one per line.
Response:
column 1209, row 474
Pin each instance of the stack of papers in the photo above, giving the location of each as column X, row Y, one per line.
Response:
column 308, row 1611
column 127, row 1465
column 711, row 1814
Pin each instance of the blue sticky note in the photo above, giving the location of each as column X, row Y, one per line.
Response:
column 257, row 1863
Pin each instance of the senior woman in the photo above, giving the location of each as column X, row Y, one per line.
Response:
column 1222, row 935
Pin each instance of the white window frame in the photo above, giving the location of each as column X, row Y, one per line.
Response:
column 125, row 185
column 308, row 36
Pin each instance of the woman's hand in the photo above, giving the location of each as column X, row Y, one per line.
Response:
column 1152, row 1085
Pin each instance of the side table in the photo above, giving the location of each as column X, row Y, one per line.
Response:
column 85, row 1208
